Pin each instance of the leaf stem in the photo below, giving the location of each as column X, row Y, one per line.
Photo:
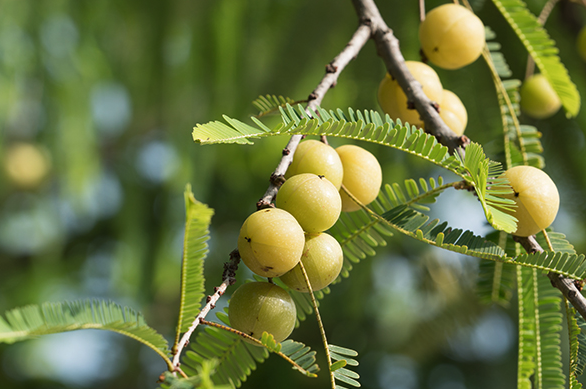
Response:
column 320, row 325
column 258, row 342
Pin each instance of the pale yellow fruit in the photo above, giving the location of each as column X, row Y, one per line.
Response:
column 362, row 176
column 537, row 199
column 393, row 100
column 322, row 259
column 451, row 36
column 538, row 98
column 271, row 242
column 312, row 200
column 256, row 307
column 453, row 112
column 26, row 165
column 316, row 157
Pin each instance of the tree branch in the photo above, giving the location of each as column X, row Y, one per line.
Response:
column 333, row 70
column 228, row 278
column 565, row 285
column 388, row 49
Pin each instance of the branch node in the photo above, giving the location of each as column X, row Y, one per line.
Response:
column 312, row 96
column 331, row 68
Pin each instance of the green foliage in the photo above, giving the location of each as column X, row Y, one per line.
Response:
column 527, row 327
column 341, row 356
column 542, row 48
column 237, row 358
column 539, row 326
column 270, row 103
column 49, row 318
column 195, row 249
column 577, row 340
column 201, row 381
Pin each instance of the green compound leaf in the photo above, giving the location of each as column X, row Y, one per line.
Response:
column 341, row 356
column 270, row 103
column 543, row 50
column 195, row 249
column 49, row 318
column 237, row 358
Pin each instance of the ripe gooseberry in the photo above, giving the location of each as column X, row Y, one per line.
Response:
column 453, row 112
column 256, row 307
column 363, row 176
column 393, row 100
column 451, row 36
column 537, row 199
column 271, row 242
column 322, row 259
column 538, row 98
column 312, row 200
column 313, row 156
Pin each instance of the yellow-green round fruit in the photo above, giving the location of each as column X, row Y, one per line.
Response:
column 313, row 200
column 453, row 112
column 581, row 43
column 26, row 165
column 451, row 36
column 537, row 199
column 363, row 176
column 256, row 307
column 271, row 242
column 316, row 157
column 538, row 99
column 393, row 100
column 322, row 259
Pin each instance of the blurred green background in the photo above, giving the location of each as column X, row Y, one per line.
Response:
column 97, row 103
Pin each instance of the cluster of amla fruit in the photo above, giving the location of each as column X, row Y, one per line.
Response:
column 451, row 37
column 273, row 241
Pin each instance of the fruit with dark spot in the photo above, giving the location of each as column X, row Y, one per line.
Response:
column 271, row 242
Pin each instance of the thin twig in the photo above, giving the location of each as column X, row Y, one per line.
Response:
column 228, row 278
column 333, row 70
column 564, row 284
column 388, row 49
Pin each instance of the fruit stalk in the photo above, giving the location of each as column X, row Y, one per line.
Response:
column 564, row 284
column 388, row 49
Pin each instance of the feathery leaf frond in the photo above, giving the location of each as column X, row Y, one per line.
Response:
column 526, row 289
column 49, row 318
column 237, row 358
column 195, row 249
column 576, row 325
column 543, row 50
column 270, row 104
column 341, row 356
